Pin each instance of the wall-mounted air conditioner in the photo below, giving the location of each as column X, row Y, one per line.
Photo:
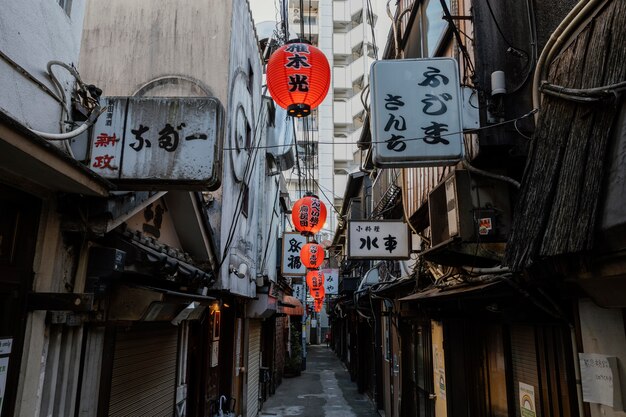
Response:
column 468, row 207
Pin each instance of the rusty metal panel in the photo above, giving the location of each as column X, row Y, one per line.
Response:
column 159, row 143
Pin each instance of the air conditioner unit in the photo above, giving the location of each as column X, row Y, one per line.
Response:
column 469, row 208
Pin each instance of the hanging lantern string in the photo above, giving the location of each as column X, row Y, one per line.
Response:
column 302, row 19
column 299, row 169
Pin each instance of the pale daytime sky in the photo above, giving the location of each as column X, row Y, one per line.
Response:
column 263, row 10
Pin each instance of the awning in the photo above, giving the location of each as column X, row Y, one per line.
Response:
column 469, row 290
column 24, row 154
column 291, row 306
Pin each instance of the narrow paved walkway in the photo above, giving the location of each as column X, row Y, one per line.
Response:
column 323, row 390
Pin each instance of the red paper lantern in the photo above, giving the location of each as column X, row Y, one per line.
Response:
column 298, row 77
column 318, row 293
column 315, row 279
column 308, row 215
column 312, row 255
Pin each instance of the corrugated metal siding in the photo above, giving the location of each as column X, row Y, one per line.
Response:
column 524, row 359
column 254, row 363
column 144, row 372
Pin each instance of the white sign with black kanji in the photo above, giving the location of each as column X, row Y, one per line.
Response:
column 331, row 281
column 291, row 264
column 381, row 239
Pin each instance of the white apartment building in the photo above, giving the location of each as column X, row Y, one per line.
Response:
column 347, row 32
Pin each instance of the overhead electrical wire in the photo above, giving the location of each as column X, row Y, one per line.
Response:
column 468, row 131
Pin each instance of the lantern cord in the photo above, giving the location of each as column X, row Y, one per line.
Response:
column 302, row 19
column 293, row 124
column 326, row 196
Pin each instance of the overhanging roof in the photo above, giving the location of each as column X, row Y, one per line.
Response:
column 25, row 155
column 469, row 290
column 291, row 306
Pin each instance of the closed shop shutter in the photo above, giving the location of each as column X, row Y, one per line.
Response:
column 144, row 372
column 254, row 363
column 524, row 360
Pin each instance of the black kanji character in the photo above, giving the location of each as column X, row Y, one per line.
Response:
column 169, row 137
column 294, row 262
column 395, row 144
column 294, row 245
column 430, row 101
column 298, row 82
column 296, row 61
column 431, row 78
column 393, row 102
column 369, row 242
column 390, row 243
column 433, row 133
column 397, row 124
column 297, row 47
column 137, row 146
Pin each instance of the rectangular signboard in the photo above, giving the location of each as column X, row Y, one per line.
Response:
column 378, row 239
column 140, row 141
column 331, row 281
column 416, row 111
column 291, row 264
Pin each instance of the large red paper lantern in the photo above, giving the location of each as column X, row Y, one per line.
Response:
column 308, row 215
column 312, row 255
column 298, row 77
column 315, row 279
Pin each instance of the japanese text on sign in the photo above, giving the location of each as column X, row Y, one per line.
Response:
column 298, row 59
column 291, row 264
column 378, row 240
column 416, row 112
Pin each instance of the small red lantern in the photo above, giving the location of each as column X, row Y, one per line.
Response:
column 315, row 279
column 318, row 293
column 308, row 215
column 312, row 255
column 298, row 77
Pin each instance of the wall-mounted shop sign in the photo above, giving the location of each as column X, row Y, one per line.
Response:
column 159, row 142
column 291, row 264
column 416, row 109
column 379, row 239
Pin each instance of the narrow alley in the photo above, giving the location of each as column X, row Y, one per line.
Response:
column 324, row 389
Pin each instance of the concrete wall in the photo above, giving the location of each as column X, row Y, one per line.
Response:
column 130, row 46
column 244, row 107
column 32, row 33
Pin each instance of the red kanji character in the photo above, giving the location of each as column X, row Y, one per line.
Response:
column 105, row 140
column 104, row 161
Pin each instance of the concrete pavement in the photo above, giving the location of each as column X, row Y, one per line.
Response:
column 323, row 390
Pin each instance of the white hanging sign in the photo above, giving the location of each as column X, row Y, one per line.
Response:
column 331, row 281
column 380, row 239
column 599, row 375
column 291, row 264
column 416, row 112
column 146, row 142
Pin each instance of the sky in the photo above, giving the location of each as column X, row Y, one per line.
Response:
column 263, row 10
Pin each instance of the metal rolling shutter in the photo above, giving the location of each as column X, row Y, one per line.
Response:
column 524, row 360
column 144, row 372
column 254, row 355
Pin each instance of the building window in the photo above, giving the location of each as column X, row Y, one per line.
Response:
column 66, row 5
column 434, row 27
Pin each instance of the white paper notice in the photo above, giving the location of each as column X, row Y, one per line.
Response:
column 597, row 378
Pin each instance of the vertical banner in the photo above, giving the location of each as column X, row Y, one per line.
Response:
column 291, row 264
column 331, row 281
